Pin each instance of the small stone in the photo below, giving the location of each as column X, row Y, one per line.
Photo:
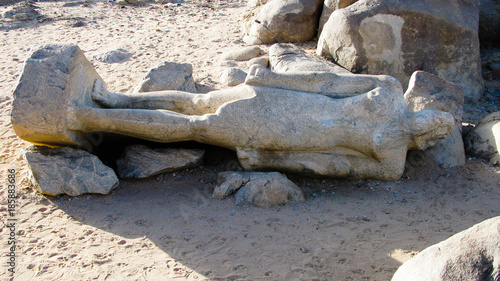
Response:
column 258, row 189
column 232, row 76
column 264, row 61
column 243, row 54
column 140, row 161
column 113, row 56
column 69, row 171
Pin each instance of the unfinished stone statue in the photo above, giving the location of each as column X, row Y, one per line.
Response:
column 319, row 123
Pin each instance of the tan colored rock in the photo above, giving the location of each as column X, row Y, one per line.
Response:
column 232, row 76
column 427, row 91
column 399, row 37
column 484, row 140
column 473, row 254
column 264, row 61
column 290, row 58
column 113, row 56
column 284, row 21
column 140, row 161
column 69, row 171
column 280, row 121
column 168, row 76
column 258, row 189
column 243, row 54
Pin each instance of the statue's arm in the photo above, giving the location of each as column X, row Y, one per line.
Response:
column 330, row 164
column 325, row 83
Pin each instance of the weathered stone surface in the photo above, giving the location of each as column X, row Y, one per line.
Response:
column 284, row 21
column 258, row 189
column 329, row 6
column 290, row 58
column 140, row 161
column 69, row 171
column 490, row 60
column 484, row 140
column 279, row 121
column 243, row 54
column 489, row 23
column 232, row 76
column 113, row 56
column 53, row 78
column 264, row 61
column 473, row 254
column 427, row 91
column 168, row 76
column 23, row 11
column 398, row 37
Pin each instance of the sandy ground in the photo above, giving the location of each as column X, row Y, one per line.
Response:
column 169, row 227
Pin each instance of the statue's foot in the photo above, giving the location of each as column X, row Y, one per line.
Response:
column 104, row 97
column 257, row 74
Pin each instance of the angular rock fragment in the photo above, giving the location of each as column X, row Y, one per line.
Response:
column 243, row 54
column 168, row 76
column 258, row 189
column 69, row 171
column 140, row 161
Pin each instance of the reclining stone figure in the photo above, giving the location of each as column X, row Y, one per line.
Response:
column 315, row 123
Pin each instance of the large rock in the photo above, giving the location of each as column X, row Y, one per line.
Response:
column 489, row 23
column 473, row 255
column 69, row 171
column 290, row 58
column 329, row 6
column 140, row 161
column 484, row 140
column 427, row 91
column 398, row 37
column 54, row 77
column 258, row 189
column 284, row 21
column 168, row 76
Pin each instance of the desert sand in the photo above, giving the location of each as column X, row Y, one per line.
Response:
column 169, row 227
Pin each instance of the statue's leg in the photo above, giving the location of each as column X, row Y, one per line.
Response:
column 326, row 83
column 335, row 163
column 178, row 101
column 153, row 125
